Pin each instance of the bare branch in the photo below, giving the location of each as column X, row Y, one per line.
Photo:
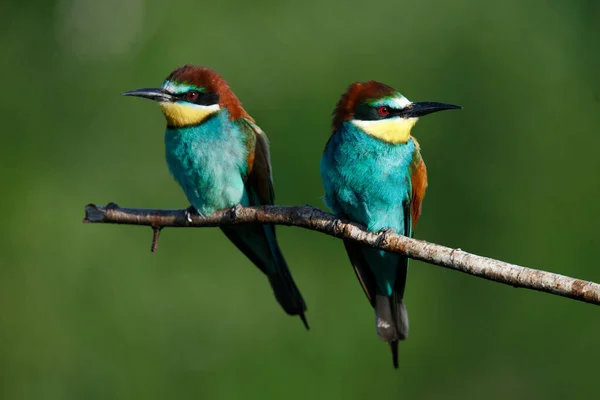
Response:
column 318, row 220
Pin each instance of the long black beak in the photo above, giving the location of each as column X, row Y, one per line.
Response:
column 419, row 109
column 152, row 94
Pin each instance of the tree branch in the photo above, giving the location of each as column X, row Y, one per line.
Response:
column 318, row 220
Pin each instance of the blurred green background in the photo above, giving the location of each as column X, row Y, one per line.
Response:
column 87, row 312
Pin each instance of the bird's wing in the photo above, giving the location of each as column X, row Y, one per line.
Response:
column 412, row 211
column 259, row 179
column 391, row 309
column 418, row 178
column 363, row 263
column 391, row 317
column 361, row 268
column 259, row 242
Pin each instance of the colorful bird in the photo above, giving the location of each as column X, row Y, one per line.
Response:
column 373, row 174
column 220, row 158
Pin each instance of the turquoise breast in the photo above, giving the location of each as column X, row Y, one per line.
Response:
column 367, row 179
column 209, row 161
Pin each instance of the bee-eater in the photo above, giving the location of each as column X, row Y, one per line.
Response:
column 374, row 174
column 220, row 158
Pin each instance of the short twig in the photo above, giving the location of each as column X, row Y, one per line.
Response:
column 156, row 233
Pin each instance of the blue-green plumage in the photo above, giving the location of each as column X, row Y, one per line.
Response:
column 220, row 158
column 368, row 181
column 209, row 162
column 373, row 174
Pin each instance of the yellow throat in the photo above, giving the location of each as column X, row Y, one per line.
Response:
column 179, row 115
column 392, row 130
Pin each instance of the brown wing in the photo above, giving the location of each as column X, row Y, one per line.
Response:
column 259, row 180
column 418, row 174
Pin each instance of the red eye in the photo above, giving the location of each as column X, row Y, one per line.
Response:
column 191, row 96
column 383, row 110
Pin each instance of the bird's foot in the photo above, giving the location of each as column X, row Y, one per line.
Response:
column 190, row 212
column 387, row 231
column 111, row 206
column 233, row 211
column 383, row 235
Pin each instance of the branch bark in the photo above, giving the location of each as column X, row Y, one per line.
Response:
column 314, row 219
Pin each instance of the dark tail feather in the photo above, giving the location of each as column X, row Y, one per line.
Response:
column 285, row 289
column 287, row 293
column 391, row 319
column 259, row 244
column 304, row 321
column 394, row 347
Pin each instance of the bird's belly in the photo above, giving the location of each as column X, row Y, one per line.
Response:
column 211, row 180
column 374, row 197
column 372, row 191
column 377, row 202
column 369, row 181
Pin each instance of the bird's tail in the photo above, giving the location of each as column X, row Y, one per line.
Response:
column 287, row 293
column 260, row 245
column 281, row 280
column 391, row 319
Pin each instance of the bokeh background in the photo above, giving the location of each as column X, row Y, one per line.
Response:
column 87, row 312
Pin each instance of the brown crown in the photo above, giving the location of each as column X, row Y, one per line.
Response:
column 214, row 83
column 357, row 93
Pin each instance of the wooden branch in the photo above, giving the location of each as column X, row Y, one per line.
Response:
column 318, row 220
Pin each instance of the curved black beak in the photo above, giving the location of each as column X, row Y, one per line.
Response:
column 152, row 94
column 415, row 110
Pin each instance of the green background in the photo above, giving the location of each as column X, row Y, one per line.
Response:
column 87, row 312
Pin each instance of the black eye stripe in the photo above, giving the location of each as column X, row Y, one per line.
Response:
column 394, row 112
column 203, row 99
column 365, row 112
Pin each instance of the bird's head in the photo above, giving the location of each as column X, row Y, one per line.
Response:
column 192, row 94
column 381, row 111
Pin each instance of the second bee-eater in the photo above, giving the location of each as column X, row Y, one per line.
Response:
column 374, row 174
column 220, row 158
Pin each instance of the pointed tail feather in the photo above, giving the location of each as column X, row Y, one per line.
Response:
column 259, row 244
column 394, row 347
column 285, row 289
column 391, row 321
column 287, row 294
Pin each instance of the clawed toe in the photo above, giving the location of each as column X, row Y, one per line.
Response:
column 387, row 231
column 190, row 212
column 112, row 206
column 233, row 211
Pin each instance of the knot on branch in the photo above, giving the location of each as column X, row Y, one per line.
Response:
column 298, row 214
column 453, row 252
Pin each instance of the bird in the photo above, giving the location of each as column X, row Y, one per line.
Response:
column 220, row 157
column 373, row 174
